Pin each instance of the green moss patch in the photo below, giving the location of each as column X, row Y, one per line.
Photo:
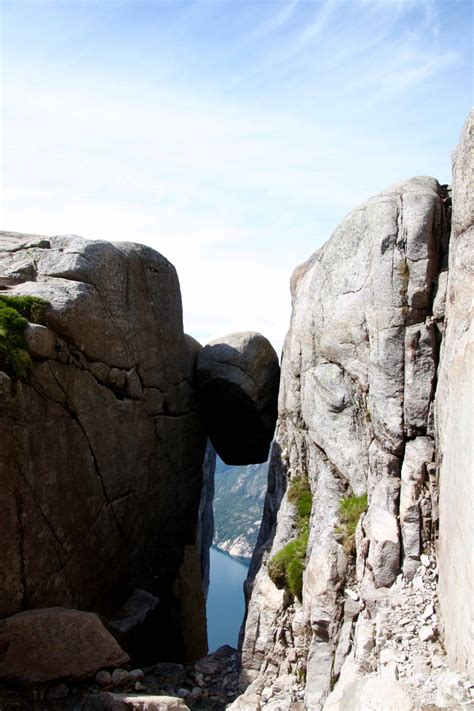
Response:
column 351, row 509
column 15, row 312
column 287, row 565
column 299, row 494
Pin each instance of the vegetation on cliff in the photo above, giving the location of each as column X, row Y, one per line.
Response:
column 351, row 509
column 287, row 565
column 15, row 312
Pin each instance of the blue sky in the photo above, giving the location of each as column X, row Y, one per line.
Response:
column 232, row 136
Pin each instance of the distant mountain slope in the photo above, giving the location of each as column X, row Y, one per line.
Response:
column 238, row 506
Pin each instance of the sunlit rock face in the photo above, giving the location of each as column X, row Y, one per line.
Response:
column 455, row 420
column 355, row 416
column 101, row 445
column 238, row 378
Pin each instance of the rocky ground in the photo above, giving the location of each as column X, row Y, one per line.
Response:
column 397, row 642
column 211, row 683
column 397, row 663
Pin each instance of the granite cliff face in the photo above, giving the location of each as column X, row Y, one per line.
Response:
column 455, row 421
column 357, row 416
column 101, row 445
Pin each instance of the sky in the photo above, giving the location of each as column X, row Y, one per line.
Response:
column 230, row 135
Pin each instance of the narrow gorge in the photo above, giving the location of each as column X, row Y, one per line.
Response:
column 360, row 590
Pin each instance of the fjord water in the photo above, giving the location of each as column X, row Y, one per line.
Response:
column 225, row 601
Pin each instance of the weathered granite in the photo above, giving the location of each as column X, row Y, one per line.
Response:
column 357, row 385
column 455, row 421
column 238, row 377
column 101, row 445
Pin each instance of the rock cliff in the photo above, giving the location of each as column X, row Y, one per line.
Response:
column 101, row 446
column 455, row 421
column 356, row 419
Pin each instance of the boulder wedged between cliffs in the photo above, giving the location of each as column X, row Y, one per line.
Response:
column 237, row 382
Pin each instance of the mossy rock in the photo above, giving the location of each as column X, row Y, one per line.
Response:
column 286, row 568
column 15, row 312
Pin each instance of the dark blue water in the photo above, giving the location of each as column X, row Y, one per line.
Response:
column 225, row 600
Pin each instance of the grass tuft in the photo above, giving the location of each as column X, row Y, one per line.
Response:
column 287, row 565
column 351, row 509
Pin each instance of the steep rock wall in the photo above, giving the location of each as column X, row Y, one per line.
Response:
column 455, row 421
column 355, row 416
column 101, row 446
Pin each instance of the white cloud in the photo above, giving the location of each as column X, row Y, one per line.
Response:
column 235, row 186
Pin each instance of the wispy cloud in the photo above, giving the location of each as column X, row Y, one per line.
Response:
column 230, row 136
column 318, row 22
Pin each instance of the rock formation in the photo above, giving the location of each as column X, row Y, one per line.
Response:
column 238, row 377
column 356, row 417
column 55, row 643
column 455, row 421
column 101, row 445
column 107, row 483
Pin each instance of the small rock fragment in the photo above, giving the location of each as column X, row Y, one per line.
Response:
column 120, row 677
column 386, row 655
column 199, row 678
column 389, row 672
column 437, row 661
column 427, row 633
column 429, row 612
column 136, row 675
column 103, row 678
column 57, row 692
column 418, row 582
column 352, row 594
column 41, row 341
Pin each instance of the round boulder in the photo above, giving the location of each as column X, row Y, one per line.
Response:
column 237, row 379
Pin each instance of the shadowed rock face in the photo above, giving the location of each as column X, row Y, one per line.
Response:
column 238, row 377
column 44, row 645
column 100, row 446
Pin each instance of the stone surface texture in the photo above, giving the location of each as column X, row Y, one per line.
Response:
column 101, row 445
column 356, row 416
column 133, row 702
column 455, row 421
column 238, row 377
column 55, row 643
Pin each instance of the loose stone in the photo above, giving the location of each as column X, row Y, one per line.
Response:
column 427, row 633
column 103, row 678
column 120, row 677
